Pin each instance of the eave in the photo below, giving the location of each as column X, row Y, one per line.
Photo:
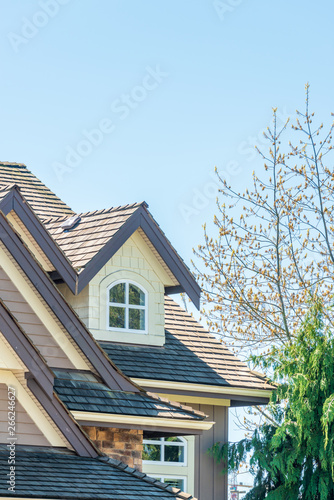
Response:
column 146, row 423
column 238, row 396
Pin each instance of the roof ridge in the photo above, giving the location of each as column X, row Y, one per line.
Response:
column 141, row 475
column 14, row 164
column 56, row 218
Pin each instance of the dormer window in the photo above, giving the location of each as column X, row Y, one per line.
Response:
column 127, row 307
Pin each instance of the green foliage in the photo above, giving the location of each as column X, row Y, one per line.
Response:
column 292, row 452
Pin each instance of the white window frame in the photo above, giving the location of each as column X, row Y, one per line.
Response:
column 161, row 442
column 127, row 306
column 162, row 478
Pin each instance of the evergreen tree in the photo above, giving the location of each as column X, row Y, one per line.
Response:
column 292, row 452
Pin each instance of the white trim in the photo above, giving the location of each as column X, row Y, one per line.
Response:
column 144, row 421
column 127, row 307
column 163, row 443
column 217, row 389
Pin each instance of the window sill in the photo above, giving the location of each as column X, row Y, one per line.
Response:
column 128, row 337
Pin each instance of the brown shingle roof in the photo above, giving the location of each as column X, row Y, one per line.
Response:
column 44, row 202
column 191, row 354
column 94, row 230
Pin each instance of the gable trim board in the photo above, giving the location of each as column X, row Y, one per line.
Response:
column 73, row 325
column 15, row 201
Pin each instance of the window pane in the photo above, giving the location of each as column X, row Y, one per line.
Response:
column 176, row 483
column 152, row 452
column 117, row 293
column 136, row 296
column 174, row 439
column 117, row 317
column 174, row 453
column 137, row 319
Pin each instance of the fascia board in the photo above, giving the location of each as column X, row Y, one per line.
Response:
column 202, row 388
column 112, row 418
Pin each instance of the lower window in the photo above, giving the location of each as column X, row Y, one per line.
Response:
column 176, row 482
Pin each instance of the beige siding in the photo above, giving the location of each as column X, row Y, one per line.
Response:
column 26, row 430
column 31, row 324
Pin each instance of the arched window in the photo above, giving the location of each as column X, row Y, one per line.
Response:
column 127, row 307
column 165, row 451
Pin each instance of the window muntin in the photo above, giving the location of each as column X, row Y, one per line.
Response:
column 167, row 451
column 127, row 307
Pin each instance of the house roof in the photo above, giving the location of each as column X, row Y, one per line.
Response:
column 93, row 396
column 191, row 354
column 40, row 197
column 100, row 234
column 50, row 473
column 96, row 237
column 90, row 235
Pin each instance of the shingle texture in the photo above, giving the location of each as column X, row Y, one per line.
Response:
column 44, row 202
column 47, row 473
column 94, row 230
column 96, row 397
column 190, row 354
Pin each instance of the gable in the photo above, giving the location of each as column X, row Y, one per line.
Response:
column 138, row 263
column 98, row 235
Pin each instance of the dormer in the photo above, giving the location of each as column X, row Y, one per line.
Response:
column 125, row 267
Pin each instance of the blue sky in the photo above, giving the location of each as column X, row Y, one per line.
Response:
column 223, row 72
column 175, row 87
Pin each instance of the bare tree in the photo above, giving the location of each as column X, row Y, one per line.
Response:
column 274, row 244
